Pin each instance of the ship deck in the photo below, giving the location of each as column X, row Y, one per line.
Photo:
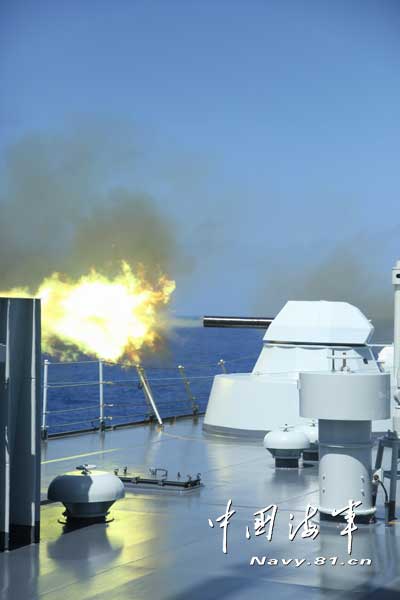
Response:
column 161, row 546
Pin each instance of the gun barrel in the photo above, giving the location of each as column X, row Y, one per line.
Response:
column 233, row 322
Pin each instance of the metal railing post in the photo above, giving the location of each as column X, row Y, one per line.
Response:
column 44, row 407
column 102, row 422
column 148, row 394
column 186, row 382
column 221, row 363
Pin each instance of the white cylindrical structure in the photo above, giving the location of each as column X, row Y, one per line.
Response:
column 396, row 346
column 345, row 403
column 345, row 465
column 396, row 332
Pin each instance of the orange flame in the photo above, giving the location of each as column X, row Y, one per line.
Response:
column 111, row 318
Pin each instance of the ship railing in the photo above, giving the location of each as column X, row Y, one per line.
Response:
column 99, row 413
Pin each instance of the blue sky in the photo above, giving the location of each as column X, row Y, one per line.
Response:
column 268, row 131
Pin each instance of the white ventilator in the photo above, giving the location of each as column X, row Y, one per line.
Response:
column 286, row 445
column 85, row 492
column 345, row 403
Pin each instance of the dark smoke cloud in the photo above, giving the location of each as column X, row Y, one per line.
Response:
column 356, row 271
column 65, row 207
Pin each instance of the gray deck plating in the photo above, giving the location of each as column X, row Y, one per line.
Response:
column 160, row 546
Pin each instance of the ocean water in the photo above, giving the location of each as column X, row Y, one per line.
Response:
column 73, row 393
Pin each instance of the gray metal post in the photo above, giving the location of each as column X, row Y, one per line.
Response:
column 390, row 440
column 148, row 394
column 102, row 422
column 186, row 383
column 333, row 360
column 44, row 406
column 20, row 375
column 379, row 455
column 393, row 480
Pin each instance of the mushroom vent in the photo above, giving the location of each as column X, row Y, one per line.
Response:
column 86, row 493
column 286, row 446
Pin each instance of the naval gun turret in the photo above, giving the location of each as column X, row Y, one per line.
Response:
column 304, row 336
